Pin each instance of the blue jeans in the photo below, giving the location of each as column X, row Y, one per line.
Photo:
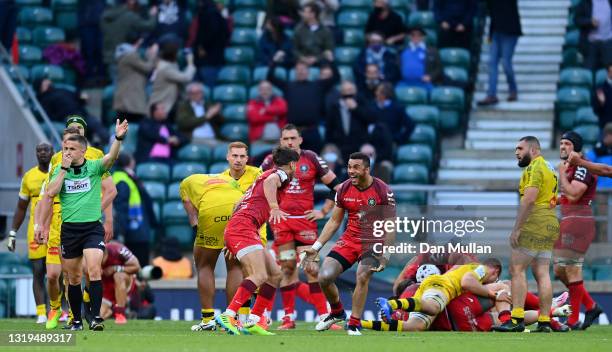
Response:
column 502, row 47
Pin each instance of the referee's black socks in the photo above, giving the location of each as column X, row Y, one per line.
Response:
column 75, row 298
column 95, row 291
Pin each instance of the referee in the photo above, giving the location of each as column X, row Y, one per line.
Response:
column 78, row 183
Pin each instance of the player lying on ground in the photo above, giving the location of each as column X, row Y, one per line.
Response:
column 242, row 240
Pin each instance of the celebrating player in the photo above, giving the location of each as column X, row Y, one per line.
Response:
column 577, row 230
column 358, row 196
column 242, row 239
column 31, row 183
column 299, row 231
column 78, row 183
column 576, row 159
column 535, row 231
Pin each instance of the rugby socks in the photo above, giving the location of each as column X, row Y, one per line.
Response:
column 336, row 308
column 518, row 315
column 394, row 325
column 318, row 298
column 575, row 295
column 41, row 309
column 95, row 291
column 75, row 299
column 354, row 322
column 266, row 294
column 119, row 310
column 587, row 301
column 246, row 308
column 543, row 320
column 243, row 294
column 504, row 316
column 411, row 304
column 288, row 298
column 532, row 302
column 56, row 304
column 207, row 314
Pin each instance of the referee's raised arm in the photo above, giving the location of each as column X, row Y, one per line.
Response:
column 120, row 132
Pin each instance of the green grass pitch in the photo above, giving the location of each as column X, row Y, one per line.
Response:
column 172, row 336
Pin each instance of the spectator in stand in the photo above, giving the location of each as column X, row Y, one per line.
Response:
column 196, row 120
column 455, row 18
column 210, row 49
column 420, row 64
column 134, row 216
column 367, row 86
column 383, row 169
column 167, row 78
column 347, row 122
column 602, row 153
column 130, row 98
column 305, row 100
column 312, row 42
column 158, row 140
column 274, row 40
column 287, row 11
column 170, row 20
column 88, row 14
column 387, row 22
column 603, row 101
column 594, row 18
column 117, row 22
column 267, row 114
column 387, row 111
column 377, row 53
column 331, row 154
column 59, row 103
column 8, row 23
column 171, row 260
column 504, row 33
column 328, row 16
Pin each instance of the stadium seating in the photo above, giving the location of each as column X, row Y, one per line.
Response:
column 29, row 55
column 590, row 134
column 571, row 58
column 458, row 76
column 423, row 19
column 235, row 131
column 52, row 72
column 32, row 16
column 230, row 93
column 182, row 170
column 424, row 134
column 182, row 232
column 410, row 173
column 569, row 99
column 245, row 18
column 24, row 35
column 156, row 190
column 576, row 77
column 455, row 57
column 153, row 171
column 217, row 168
column 219, row 152
column 244, row 36
column 258, row 149
column 601, row 76
column 239, row 55
column 234, row 74
column 173, row 191
column 602, row 268
column 451, row 102
column 313, row 73
column 13, row 70
column 251, row 4
column 352, row 19
column 426, row 114
column 195, row 153
column 416, row 154
column 346, row 55
column 43, row 36
column 235, row 113
column 411, row 95
column 346, row 73
column 260, row 73
column 354, row 37
column 586, row 116
column 365, row 5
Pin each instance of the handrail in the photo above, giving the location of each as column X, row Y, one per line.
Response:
column 30, row 98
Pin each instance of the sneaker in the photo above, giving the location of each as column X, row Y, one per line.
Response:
column 542, row 328
column 509, row 326
column 353, row 331
column 287, row 323
column 41, row 319
column 385, row 309
column 202, row 326
column 563, row 311
column 560, row 299
column 574, row 327
column 65, row 317
column 97, row 324
column 512, row 97
column 255, row 329
column 76, row 326
column 228, row 323
column 336, row 327
column 120, row 319
column 590, row 316
column 53, row 319
column 327, row 320
column 488, row 101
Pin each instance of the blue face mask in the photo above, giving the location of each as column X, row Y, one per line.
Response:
column 376, row 47
column 330, row 157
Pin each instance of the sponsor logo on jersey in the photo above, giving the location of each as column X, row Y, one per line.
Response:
column 304, row 168
column 371, row 202
column 77, row 186
column 223, row 218
column 53, row 251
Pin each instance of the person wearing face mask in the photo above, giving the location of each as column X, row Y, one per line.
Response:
column 367, row 86
column 331, row 154
column 603, row 103
column 382, row 169
column 379, row 54
column 386, row 21
column 388, row 112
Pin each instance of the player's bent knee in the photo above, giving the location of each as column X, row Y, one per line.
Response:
column 288, row 267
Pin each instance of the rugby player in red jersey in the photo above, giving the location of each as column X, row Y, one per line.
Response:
column 259, row 204
column 299, row 231
column 366, row 199
column 577, row 230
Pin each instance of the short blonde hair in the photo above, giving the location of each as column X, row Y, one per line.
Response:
column 237, row 145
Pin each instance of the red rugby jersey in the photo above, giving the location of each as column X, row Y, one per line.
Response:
column 118, row 254
column 582, row 207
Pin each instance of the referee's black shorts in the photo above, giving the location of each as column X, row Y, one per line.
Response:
column 77, row 236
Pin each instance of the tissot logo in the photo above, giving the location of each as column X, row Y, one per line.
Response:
column 77, row 186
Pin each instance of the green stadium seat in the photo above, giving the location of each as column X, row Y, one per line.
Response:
column 352, row 19
column 455, row 57
column 411, row 198
column 182, row 170
column 571, row 58
column 32, row 16
column 235, row 113
column 29, row 55
column 195, row 153
column 400, row 5
column 313, row 73
column 68, row 21
column 19, row 269
column 230, row 93
column 183, row 233
column 220, row 153
column 260, row 73
column 410, row 173
column 569, row 99
column 153, row 171
column 234, row 74
column 576, row 77
column 64, row 4
column 589, row 133
column 217, row 168
column 416, row 154
column 346, row 73
column 57, row 126
column 24, row 3
column 423, row 19
column 13, row 71
column 254, row 91
column 243, row 36
column 586, row 116
column 67, row 86
column 53, row 72
column 346, row 55
column 9, row 259
column 174, row 213
column 260, row 148
column 173, row 192
column 451, row 102
column 356, row 4
column 411, row 95
column 239, row 55
column 431, row 37
column 602, row 268
column 245, row 18
column 426, row 114
column 457, row 75
column 251, row 4
column 424, row 134
column 156, row 190
column 600, row 77
column 206, row 93
column 235, row 132
column 354, row 37
column 572, row 38
column 24, row 35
